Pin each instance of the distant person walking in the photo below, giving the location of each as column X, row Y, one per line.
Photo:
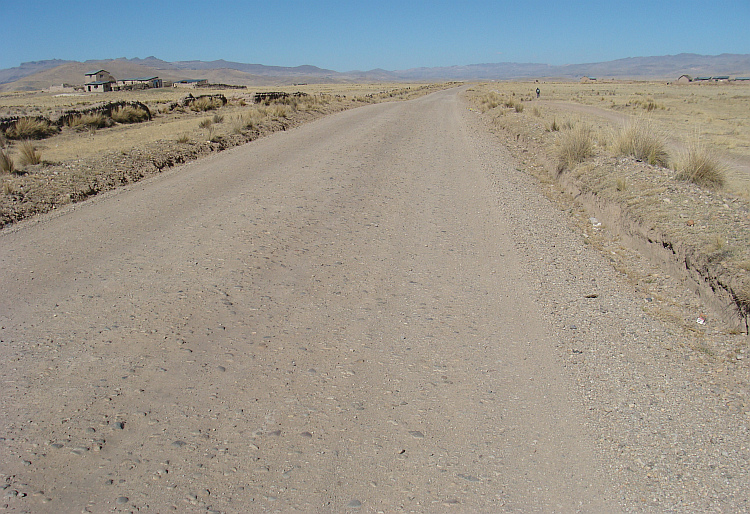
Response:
column 537, row 92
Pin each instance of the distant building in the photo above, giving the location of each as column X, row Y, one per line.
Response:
column 99, row 81
column 587, row 79
column 63, row 88
column 190, row 83
column 141, row 83
column 722, row 78
column 684, row 79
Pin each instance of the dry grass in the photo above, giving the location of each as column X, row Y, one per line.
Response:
column 573, row 147
column 206, row 104
column 30, row 128
column 129, row 114
column 641, row 140
column 700, row 166
column 29, row 154
column 6, row 163
column 88, row 121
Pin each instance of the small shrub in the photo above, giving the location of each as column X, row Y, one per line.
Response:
column 700, row 166
column 129, row 114
column 6, row 163
column 29, row 154
column 218, row 118
column 573, row 147
column 183, row 138
column 206, row 123
column 8, row 188
column 554, row 126
column 519, row 107
column 640, row 140
column 30, row 128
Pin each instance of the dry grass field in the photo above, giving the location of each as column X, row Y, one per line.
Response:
column 666, row 167
column 716, row 114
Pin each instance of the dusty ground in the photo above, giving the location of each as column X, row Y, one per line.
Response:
column 80, row 163
column 701, row 236
column 377, row 311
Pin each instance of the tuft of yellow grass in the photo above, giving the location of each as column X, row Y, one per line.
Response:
column 30, row 128
column 701, row 166
column 29, row 154
column 6, row 163
column 129, row 114
column 574, row 146
column 641, row 140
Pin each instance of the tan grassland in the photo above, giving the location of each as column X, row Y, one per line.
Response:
column 700, row 233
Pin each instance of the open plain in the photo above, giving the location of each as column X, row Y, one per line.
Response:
column 381, row 310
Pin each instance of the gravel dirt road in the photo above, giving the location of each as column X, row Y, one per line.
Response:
column 372, row 312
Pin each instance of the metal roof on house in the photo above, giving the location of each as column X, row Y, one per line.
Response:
column 98, row 83
column 140, row 78
column 95, row 72
column 190, row 81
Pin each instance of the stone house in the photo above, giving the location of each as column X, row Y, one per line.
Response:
column 99, row 81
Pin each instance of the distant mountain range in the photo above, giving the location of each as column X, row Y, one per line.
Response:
column 43, row 74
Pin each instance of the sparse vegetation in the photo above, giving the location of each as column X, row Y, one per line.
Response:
column 639, row 139
column 649, row 104
column 206, row 104
column 6, row 163
column 29, row 154
column 30, row 128
column 489, row 101
column 279, row 111
column 89, row 121
column 129, row 114
column 574, row 146
column 206, row 123
column 700, row 166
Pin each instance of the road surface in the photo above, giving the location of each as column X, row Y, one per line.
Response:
column 341, row 317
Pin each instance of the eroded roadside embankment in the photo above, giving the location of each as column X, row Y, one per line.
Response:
column 696, row 235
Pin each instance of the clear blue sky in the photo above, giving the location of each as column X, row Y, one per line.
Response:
column 352, row 35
